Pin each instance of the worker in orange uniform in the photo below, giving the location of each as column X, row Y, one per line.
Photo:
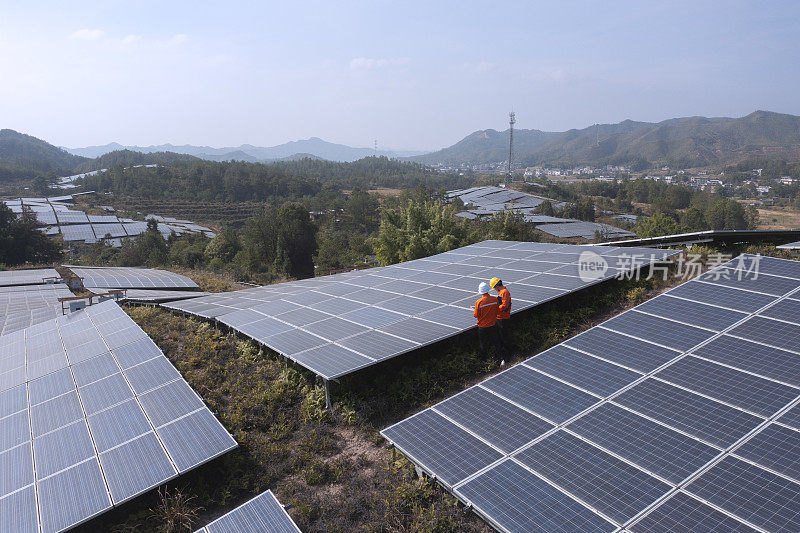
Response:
column 503, row 310
column 486, row 313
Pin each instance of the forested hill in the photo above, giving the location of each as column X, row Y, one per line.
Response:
column 240, row 181
column 26, row 156
column 679, row 143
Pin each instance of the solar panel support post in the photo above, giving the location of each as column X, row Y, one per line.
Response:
column 328, row 403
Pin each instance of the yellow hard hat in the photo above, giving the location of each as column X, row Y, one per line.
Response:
column 493, row 282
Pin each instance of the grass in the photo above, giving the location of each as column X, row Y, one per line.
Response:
column 778, row 218
column 334, row 469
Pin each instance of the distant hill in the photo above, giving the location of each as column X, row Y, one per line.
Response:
column 313, row 147
column 680, row 143
column 22, row 155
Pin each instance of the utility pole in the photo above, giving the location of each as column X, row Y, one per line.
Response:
column 511, row 121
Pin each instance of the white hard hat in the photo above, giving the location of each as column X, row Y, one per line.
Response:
column 483, row 288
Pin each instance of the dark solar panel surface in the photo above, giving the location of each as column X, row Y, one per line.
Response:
column 384, row 312
column 262, row 514
column 689, row 447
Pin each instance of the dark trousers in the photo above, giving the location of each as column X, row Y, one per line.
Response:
column 503, row 326
column 488, row 337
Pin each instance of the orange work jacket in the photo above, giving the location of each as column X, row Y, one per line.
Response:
column 504, row 310
column 486, row 311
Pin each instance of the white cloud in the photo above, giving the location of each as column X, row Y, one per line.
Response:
column 87, row 34
column 179, row 38
column 369, row 63
column 131, row 39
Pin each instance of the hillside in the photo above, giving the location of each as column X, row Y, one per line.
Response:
column 313, row 146
column 680, row 142
column 25, row 156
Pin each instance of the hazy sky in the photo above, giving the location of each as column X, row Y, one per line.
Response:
column 414, row 75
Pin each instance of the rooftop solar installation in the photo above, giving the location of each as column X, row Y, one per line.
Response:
column 27, row 277
column 22, row 306
column 335, row 325
column 91, row 415
column 131, row 278
column 262, row 514
column 681, row 414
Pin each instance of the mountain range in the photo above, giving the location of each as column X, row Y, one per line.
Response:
column 680, row 143
column 313, row 147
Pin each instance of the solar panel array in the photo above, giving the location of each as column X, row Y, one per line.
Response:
column 27, row 277
column 262, row 514
column 586, row 230
column 489, row 201
column 25, row 305
column 57, row 215
column 682, row 414
column 335, row 325
column 151, row 295
column 91, row 415
column 131, row 278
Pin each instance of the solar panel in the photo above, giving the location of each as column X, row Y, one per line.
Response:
column 27, row 277
column 262, row 514
column 27, row 305
column 751, row 493
column 101, row 428
column 384, row 312
column 683, row 513
column 130, row 278
column 613, row 430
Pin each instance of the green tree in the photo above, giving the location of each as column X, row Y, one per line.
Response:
column 22, row 242
column 656, row 225
column 420, row 228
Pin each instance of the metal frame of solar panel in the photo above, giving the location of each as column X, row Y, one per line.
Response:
column 131, row 278
column 682, row 413
column 335, row 325
column 91, row 415
column 262, row 514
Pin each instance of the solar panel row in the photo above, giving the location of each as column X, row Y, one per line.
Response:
column 335, row 325
column 91, row 415
column 262, row 514
column 26, row 305
column 131, row 278
column 681, row 414
column 27, row 277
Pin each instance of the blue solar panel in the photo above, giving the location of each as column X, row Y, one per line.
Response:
column 683, row 513
column 613, row 487
column 442, row 447
column 722, row 296
column 768, row 331
column 654, row 447
column 706, row 419
column 753, row 357
column 775, row 447
column 520, row 502
column 627, row 351
column 753, row 393
column 697, row 314
column 753, row 494
column 495, row 420
column 583, row 370
column 543, row 395
column 660, row 331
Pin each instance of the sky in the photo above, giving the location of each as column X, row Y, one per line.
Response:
column 411, row 75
